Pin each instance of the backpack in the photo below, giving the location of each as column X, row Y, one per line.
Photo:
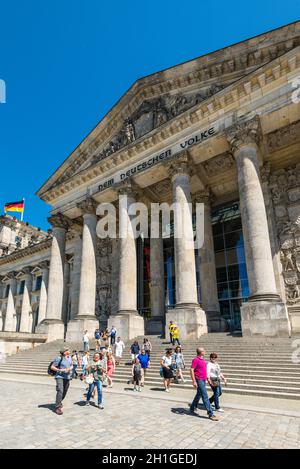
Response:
column 52, row 372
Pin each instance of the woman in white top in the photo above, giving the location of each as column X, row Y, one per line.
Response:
column 166, row 368
column 214, row 377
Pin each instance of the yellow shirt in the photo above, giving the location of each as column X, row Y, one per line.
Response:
column 175, row 333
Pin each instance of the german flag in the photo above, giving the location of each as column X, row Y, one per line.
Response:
column 14, row 206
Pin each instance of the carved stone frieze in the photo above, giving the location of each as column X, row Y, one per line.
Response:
column 283, row 137
column 218, row 164
column 284, row 185
column 104, row 279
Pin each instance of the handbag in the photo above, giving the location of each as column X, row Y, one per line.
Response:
column 89, row 379
column 215, row 382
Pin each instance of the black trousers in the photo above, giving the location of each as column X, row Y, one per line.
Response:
column 62, row 386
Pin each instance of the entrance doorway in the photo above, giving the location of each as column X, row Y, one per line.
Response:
column 232, row 280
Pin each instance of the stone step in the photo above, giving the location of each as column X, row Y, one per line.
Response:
column 239, row 389
column 154, row 375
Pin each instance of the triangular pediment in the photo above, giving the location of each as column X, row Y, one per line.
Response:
column 153, row 101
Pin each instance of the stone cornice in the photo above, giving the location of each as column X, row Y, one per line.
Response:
column 25, row 252
column 214, row 106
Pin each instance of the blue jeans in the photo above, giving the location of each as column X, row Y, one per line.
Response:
column 98, row 384
column 202, row 393
column 86, row 346
column 217, row 392
column 74, row 372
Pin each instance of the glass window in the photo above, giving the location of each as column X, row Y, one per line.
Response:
column 219, row 243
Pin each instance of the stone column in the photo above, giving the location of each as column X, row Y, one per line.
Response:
column 26, row 302
column 188, row 314
column 43, row 291
column 86, row 318
column 10, row 308
column 207, row 269
column 127, row 321
column 265, row 313
column 53, row 325
column 75, row 286
column 157, row 288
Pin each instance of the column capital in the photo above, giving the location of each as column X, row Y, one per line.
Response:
column 179, row 166
column 27, row 270
column 127, row 187
column 88, row 206
column 44, row 265
column 205, row 196
column 58, row 220
column 245, row 134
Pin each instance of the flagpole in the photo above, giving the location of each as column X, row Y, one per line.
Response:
column 22, row 213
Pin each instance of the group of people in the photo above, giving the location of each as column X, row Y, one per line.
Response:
column 98, row 371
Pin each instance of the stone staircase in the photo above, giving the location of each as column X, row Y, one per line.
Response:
column 257, row 366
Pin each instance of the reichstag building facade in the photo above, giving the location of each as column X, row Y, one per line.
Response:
column 222, row 129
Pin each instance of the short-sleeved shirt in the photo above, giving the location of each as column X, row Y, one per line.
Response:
column 167, row 360
column 144, row 360
column 97, row 369
column 199, row 366
column 62, row 364
column 213, row 370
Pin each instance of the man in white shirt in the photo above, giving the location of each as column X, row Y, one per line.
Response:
column 119, row 347
column 86, row 341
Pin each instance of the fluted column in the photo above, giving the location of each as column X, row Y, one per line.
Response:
column 75, row 286
column 127, row 246
column 127, row 320
column 265, row 314
column 207, row 268
column 87, row 290
column 86, row 318
column 188, row 314
column 43, row 291
column 10, row 308
column 26, row 303
column 53, row 324
column 185, row 268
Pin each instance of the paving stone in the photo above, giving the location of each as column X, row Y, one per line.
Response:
column 141, row 422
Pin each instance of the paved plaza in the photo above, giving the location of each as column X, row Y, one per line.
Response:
column 131, row 421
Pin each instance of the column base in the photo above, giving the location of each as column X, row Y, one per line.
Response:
column 265, row 318
column 76, row 327
column 129, row 324
column 54, row 328
column 154, row 326
column 190, row 320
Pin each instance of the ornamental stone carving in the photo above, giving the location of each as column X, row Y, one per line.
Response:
column 59, row 221
column 284, row 185
column 153, row 113
column 87, row 205
column 218, row 164
column 283, row 137
column 104, row 279
column 248, row 132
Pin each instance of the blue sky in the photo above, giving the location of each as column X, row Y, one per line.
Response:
column 66, row 62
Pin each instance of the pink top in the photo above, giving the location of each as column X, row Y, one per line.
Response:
column 199, row 366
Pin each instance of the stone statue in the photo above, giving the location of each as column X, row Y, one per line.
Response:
column 129, row 131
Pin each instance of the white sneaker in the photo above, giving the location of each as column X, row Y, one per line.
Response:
column 167, row 390
column 220, row 410
column 100, row 406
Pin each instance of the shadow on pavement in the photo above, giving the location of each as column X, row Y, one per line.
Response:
column 47, row 406
column 182, row 411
